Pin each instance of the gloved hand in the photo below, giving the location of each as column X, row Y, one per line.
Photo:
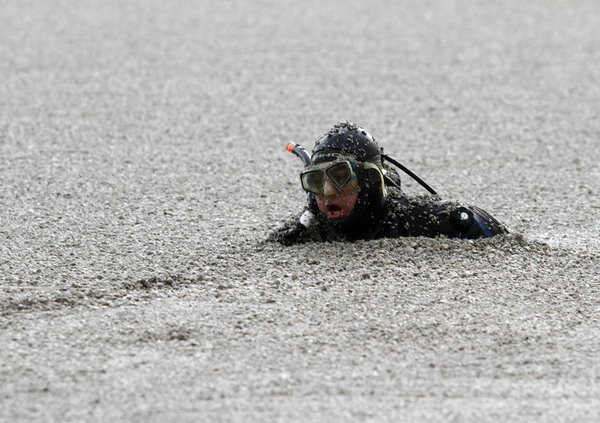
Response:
column 288, row 236
column 474, row 222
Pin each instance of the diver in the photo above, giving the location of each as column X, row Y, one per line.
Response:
column 354, row 193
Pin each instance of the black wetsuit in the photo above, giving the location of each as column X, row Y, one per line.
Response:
column 401, row 215
column 426, row 216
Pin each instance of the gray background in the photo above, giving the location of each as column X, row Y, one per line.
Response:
column 142, row 166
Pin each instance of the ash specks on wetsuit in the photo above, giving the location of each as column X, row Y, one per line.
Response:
column 382, row 209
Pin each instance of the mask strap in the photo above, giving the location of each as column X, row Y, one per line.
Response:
column 409, row 173
column 369, row 165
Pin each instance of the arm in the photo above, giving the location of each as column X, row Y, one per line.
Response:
column 294, row 232
column 422, row 216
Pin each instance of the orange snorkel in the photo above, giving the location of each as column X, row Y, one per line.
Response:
column 299, row 151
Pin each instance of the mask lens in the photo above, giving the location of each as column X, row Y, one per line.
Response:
column 312, row 181
column 340, row 174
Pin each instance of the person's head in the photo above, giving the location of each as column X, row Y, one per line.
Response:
column 345, row 175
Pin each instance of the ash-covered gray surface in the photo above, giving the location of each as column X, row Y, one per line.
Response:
column 142, row 166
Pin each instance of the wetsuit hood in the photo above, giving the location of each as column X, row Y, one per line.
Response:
column 349, row 141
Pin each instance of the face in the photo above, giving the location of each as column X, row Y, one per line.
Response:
column 337, row 204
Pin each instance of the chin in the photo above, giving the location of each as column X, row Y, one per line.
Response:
column 337, row 218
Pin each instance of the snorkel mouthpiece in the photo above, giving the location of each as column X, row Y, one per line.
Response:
column 300, row 152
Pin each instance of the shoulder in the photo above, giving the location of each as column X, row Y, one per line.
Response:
column 430, row 216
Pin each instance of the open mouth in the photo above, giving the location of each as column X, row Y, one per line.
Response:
column 335, row 211
column 337, row 208
column 333, row 208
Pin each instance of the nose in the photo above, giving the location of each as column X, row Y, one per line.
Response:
column 329, row 189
